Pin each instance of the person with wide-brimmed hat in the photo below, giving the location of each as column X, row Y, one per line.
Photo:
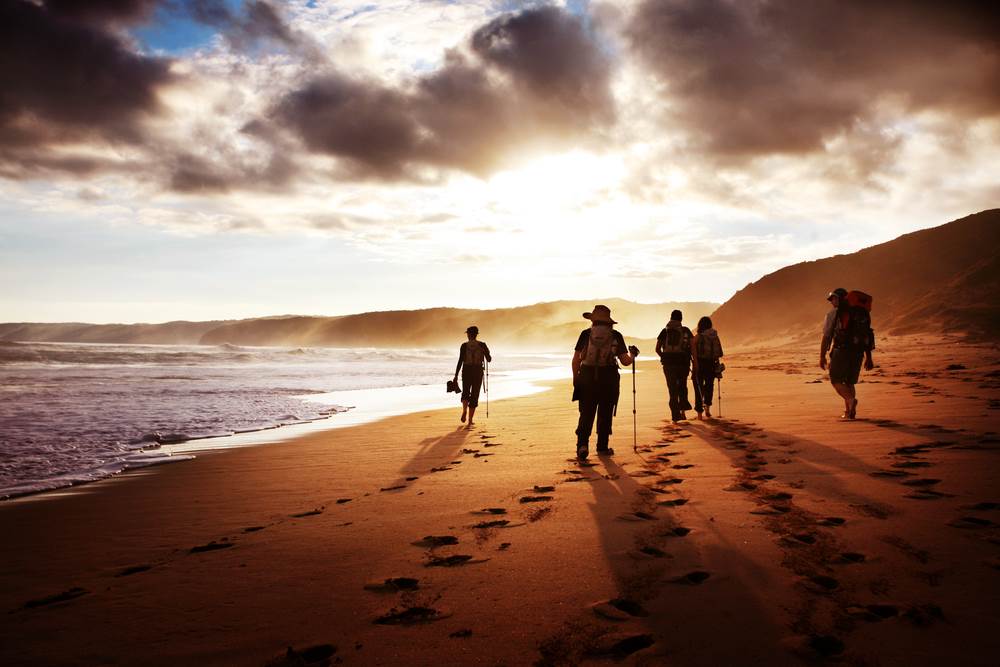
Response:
column 595, row 378
column 471, row 355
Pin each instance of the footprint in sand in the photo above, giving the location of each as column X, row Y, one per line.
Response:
column 394, row 585
column 318, row 655
column 535, row 499
column 820, row 583
column 544, row 489
column 850, row 557
column 496, row 523
column 692, row 578
column 985, row 506
column 434, row 541
column 491, row 510
column 912, row 464
column 675, row 502
column 637, row 516
column 410, row 616
column 890, row 473
column 677, row 531
column 928, row 494
column 453, row 561
column 393, row 488
column 873, row 613
column 341, row 501
column 619, row 609
column 652, row 551
column 302, row 515
column 211, row 546
column 832, row 521
column 682, row 466
column 780, row 495
column 133, row 569
column 65, row 596
column 252, row 529
column 924, row 481
column 441, row 469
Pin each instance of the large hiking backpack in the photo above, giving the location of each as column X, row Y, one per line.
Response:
column 708, row 347
column 475, row 353
column 854, row 323
column 602, row 347
column 676, row 343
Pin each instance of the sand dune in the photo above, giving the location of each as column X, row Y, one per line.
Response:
column 941, row 279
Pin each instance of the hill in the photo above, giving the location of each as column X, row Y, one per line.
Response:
column 542, row 326
column 944, row 279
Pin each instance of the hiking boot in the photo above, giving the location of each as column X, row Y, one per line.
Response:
column 606, row 452
column 699, row 414
column 581, row 452
column 853, row 412
column 708, row 412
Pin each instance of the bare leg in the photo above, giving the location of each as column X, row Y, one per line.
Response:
column 472, row 412
column 465, row 408
column 846, row 392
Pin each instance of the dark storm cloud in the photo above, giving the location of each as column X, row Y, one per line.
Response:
column 103, row 11
column 65, row 79
column 69, row 76
column 784, row 76
column 534, row 78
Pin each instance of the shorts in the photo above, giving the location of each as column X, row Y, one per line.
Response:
column 845, row 365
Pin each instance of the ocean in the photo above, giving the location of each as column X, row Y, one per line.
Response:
column 72, row 413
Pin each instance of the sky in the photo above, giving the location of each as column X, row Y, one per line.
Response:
column 218, row 159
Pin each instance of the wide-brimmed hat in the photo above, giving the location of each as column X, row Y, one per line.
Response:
column 599, row 314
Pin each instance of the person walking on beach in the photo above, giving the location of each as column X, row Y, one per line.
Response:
column 674, row 347
column 471, row 355
column 848, row 329
column 595, row 378
column 707, row 353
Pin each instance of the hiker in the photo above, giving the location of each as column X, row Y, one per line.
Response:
column 596, row 379
column 848, row 329
column 674, row 347
column 706, row 353
column 470, row 361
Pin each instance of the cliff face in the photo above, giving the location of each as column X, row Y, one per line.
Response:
column 542, row 326
column 943, row 279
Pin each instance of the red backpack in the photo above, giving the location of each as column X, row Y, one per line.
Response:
column 854, row 323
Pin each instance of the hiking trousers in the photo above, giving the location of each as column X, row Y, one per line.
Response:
column 472, row 383
column 598, row 396
column 704, row 384
column 677, row 389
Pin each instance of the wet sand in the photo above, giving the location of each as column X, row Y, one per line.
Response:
column 775, row 535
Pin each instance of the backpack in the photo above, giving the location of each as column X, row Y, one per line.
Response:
column 474, row 354
column 602, row 347
column 708, row 347
column 854, row 323
column 676, row 343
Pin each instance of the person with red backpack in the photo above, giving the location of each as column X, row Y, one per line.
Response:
column 674, row 347
column 596, row 381
column 470, row 361
column 848, row 335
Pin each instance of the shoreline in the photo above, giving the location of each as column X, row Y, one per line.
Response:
column 348, row 408
column 722, row 536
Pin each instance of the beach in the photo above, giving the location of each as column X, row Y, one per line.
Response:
column 776, row 534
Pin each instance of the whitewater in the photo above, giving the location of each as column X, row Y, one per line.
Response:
column 72, row 413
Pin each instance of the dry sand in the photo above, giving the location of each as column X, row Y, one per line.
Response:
column 777, row 535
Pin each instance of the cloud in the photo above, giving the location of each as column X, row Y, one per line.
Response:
column 745, row 79
column 67, row 80
column 527, row 80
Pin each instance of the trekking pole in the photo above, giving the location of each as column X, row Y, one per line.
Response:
column 720, row 398
column 487, row 387
column 635, row 442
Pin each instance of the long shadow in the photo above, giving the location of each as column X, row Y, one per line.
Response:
column 433, row 452
column 652, row 578
column 811, row 458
